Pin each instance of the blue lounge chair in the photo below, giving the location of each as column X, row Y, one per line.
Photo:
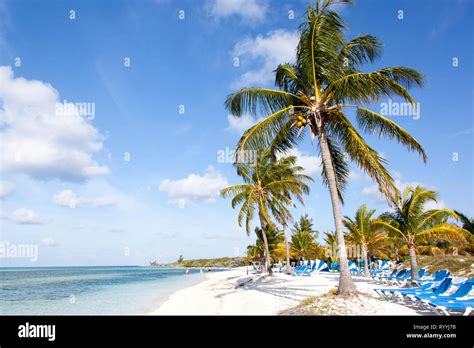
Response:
column 334, row 266
column 309, row 269
column 463, row 307
column 463, row 290
column 432, row 293
column 302, row 268
column 318, row 266
column 395, row 273
column 401, row 276
column 438, row 276
column 379, row 276
column 407, row 277
column 385, row 292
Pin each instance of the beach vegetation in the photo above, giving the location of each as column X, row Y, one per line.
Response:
column 313, row 96
column 270, row 185
column 412, row 223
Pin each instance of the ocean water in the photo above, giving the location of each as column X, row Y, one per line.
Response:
column 89, row 290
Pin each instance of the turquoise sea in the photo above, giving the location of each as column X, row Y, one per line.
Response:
column 89, row 290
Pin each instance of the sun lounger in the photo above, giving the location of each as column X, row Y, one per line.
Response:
column 386, row 292
column 432, row 293
column 463, row 307
column 317, row 266
column 438, row 276
column 393, row 275
column 381, row 276
column 463, row 290
column 302, row 268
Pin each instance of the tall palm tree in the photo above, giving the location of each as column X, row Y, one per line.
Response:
column 305, row 225
column 274, row 238
column 303, row 245
column 314, row 94
column 412, row 224
column 330, row 238
column 303, row 238
column 269, row 184
column 364, row 232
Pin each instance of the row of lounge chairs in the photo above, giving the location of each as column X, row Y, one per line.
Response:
column 310, row 267
column 438, row 292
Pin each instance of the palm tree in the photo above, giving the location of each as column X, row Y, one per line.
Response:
column 412, row 224
column 330, row 238
column 303, row 239
column 269, row 184
column 362, row 231
column 303, row 246
column 273, row 237
column 467, row 223
column 314, row 94
column 305, row 225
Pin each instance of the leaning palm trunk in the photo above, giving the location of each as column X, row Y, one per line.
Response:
column 413, row 265
column 268, row 267
column 346, row 285
column 287, row 254
column 366, row 264
column 266, row 255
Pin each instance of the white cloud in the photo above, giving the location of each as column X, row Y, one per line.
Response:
column 277, row 47
column 49, row 242
column 240, row 124
column 435, row 205
column 357, row 174
column 254, row 10
column 373, row 192
column 116, row 230
column 311, row 164
column 194, row 188
column 26, row 217
column 38, row 139
column 67, row 198
column 6, row 188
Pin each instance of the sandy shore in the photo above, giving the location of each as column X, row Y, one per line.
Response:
column 236, row 293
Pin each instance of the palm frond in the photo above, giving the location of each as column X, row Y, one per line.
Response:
column 253, row 101
column 362, row 154
column 372, row 122
column 341, row 168
column 369, row 87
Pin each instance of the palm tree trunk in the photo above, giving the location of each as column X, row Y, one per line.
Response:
column 267, row 252
column 346, row 285
column 413, row 264
column 263, row 225
column 366, row 264
column 287, row 254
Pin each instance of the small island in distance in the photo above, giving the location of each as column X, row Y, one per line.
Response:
column 222, row 262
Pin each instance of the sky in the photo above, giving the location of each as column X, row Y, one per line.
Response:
column 115, row 141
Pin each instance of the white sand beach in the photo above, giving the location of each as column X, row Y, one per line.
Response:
column 234, row 292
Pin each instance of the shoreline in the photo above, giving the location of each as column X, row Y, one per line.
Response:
column 233, row 292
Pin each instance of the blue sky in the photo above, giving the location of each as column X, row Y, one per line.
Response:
column 138, row 180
